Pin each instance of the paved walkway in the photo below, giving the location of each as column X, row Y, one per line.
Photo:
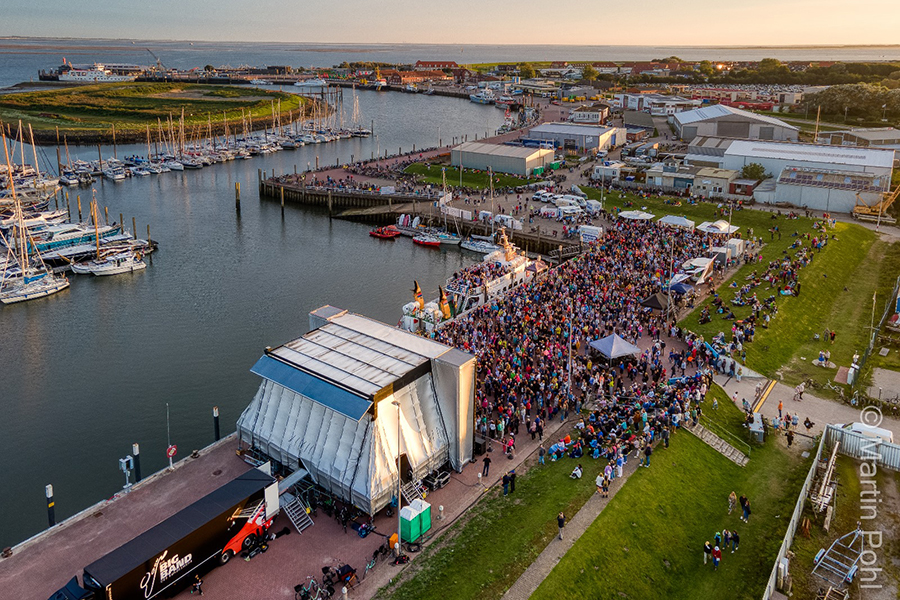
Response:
column 575, row 527
column 819, row 410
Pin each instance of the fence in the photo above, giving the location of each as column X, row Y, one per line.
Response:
column 794, row 523
column 863, row 447
column 854, row 445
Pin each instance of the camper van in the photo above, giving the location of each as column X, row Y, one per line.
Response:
column 878, row 433
column 508, row 222
column 593, row 207
column 589, row 233
column 549, row 211
column 568, row 211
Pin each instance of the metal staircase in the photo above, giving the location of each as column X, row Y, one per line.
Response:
column 296, row 511
column 720, row 445
column 412, row 491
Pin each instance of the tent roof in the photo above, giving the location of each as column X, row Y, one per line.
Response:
column 677, row 221
column 613, row 346
column 636, row 215
column 717, row 227
column 657, row 301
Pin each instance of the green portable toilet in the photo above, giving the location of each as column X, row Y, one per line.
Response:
column 538, row 170
column 410, row 527
column 424, row 511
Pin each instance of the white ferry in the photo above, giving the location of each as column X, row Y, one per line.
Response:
column 474, row 286
column 317, row 83
column 96, row 74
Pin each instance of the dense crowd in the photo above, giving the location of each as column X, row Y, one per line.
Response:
column 523, row 345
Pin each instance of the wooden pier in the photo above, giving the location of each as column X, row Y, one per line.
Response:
column 384, row 209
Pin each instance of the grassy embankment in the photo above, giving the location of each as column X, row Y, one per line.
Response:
column 647, row 543
column 83, row 111
column 482, row 556
column 470, row 178
column 836, row 290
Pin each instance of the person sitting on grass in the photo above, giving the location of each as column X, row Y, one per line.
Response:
column 577, row 472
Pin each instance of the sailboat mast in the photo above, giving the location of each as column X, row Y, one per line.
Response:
column 37, row 166
column 20, row 233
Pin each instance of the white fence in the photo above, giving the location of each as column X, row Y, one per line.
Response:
column 854, row 445
column 862, row 447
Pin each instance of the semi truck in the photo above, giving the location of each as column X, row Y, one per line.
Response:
column 163, row 560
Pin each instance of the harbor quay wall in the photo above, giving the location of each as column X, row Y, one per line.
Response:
column 383, row 209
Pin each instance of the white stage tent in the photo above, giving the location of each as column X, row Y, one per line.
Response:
column 614, row 346
column 325, row 405
column 674, row 221
column 717, row 227
column 636, row 215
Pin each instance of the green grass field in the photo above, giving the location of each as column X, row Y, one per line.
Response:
column 133, row 106
column 647, row 543
column 482, row 556
column 470, row 178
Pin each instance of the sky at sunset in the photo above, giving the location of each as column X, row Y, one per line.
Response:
column 651, row 22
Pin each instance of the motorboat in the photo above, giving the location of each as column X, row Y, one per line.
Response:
column 485, row 96
column 385, row 233
column 318, row 82
column 448, row 239
column 173, row 165
column 426, row 239
column 139, row 172
column 480, row 246
column 111, row 264
column 114, row 173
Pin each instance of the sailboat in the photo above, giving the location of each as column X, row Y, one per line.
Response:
column 358, row 130
column 112, row 261
column 446, row 238
column 36, row 280
column 479, row 243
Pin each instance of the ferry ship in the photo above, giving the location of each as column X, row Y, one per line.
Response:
column 95, row 74
column 474, row 286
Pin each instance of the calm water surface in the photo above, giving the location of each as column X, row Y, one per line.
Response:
column 89, row 371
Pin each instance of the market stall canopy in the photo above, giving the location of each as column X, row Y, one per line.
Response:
column 680, row 288
column 657, row 301
column 613, row 346
column 636, row 215
column 717, row 227
column 674, row 221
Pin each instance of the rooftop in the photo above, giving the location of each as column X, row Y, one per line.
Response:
column 834, row 179
column 500, row 150
column 717, row 111
column 573, row 128
column 839, row 155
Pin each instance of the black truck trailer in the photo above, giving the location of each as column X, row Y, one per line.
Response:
column 162, row 561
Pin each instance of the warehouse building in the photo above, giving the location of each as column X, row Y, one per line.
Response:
column 514, row 160
column 578, row 137
column 881, row 137
column 825, row 190
column 775, row 156
column 725, row 121
column 326, row 404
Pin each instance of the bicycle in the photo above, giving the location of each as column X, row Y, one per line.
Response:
column 302, row 592
column 371, row 564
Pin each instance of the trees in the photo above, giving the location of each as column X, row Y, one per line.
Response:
column 706, row 68
column 589, row 73
column 753, row 171
column 526, row 71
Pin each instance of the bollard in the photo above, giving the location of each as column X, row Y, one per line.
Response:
column 237, row 196
column 344, row 592
column 79, row 206
column 397, row 547
column 440, row 512
column 51, row 513
column 136, row 454
column 216, row 422
column 134, row 226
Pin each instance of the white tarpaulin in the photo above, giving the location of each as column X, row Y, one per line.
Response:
column 387, row 189
column 636, row 215
column 445, row 199
column 717, row 227
column 456, row 212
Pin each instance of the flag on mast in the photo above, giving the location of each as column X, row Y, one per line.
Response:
column 418, row 296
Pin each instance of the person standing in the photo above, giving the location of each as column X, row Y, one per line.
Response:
column 735, row 540
column 561, row 522
column 707, row 552
column 732, row 500
column 648, row 450
column 717, row 556
column 746, row 517
column 197, row 586
column 505, row 484
column 487, row 466
column 512, row 481
column 599, row 483
column 790, row 438
column 541, row 453
column 780, row 406
column 665, row 436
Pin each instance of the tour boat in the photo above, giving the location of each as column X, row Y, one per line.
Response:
column 95, row 74
column 385, row 233
column 311, row 83
column 425, row 239
column 483, row 97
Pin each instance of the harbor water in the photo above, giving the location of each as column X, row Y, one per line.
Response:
column 89, row 371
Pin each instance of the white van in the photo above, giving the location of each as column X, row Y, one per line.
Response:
column 562, row 201
column 590, row 234
column 567, row 211
column 593, row 206
column 508, row 222
column 549, row 211
column 885, row 435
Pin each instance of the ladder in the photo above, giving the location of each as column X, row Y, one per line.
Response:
column 412, row 491
column 295, row 510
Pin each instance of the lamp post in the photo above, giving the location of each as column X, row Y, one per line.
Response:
column 399, row 477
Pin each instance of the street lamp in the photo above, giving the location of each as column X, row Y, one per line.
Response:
column 399, row 478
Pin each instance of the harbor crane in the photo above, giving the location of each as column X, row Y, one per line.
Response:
column 160, row 68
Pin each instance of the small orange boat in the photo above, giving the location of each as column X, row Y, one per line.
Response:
column 385, row 233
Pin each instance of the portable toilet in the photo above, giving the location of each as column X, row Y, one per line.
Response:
column 410, row 529
column 424, row 510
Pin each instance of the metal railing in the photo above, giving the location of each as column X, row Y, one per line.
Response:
column 722, row 432
column 874, row 333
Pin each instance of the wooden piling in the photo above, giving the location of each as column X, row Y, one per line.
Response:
column 134, row 226
column 78, row 197
column 149, row 239
column 330, row 211
column 106, row 214
column 68, row 210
